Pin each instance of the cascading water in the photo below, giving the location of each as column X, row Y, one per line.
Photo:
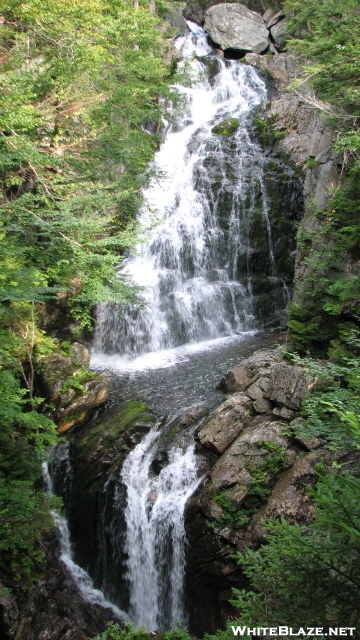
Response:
column 217, row 263
column 196, row 266
column 80, row 576
column 155, row 536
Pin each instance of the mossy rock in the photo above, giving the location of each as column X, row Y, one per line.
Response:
column 226, row 127
column 109, row 433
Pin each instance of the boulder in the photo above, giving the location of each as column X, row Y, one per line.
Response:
column 243, row 375
column 278, row 33
column 288, row 385
column 274, row 18
column 234, row 26
column 95, row 393
column 225, row 423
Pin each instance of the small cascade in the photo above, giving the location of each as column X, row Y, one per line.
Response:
column 80, row 576
column 155, row 535
column 198, row 264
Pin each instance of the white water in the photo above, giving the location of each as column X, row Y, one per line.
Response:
column 80, row 576
column 155, row 535
column 189, row 266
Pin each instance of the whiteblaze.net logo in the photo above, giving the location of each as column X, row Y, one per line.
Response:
column 306, row 632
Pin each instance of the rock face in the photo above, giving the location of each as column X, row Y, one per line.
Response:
column 55, row 608
column 225, row 423
column 72, row 390
column 233, row 26
column 304, row 135
column 260, row 473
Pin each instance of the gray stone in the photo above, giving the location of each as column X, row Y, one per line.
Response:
column 278, row 32
column 323, row 148
column 284, row 413
column 288, row 385
column 233, row 26
column 225, row 423
column 255, row 392
column 9, row 614
column 274, row 19
column 262, row 405
column 268, row 15
column 177, row 20
column 250, row 370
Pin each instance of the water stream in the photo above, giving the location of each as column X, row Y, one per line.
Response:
column 196, row 264
column 214, row 272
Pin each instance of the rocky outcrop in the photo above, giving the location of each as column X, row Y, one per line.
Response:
column 72, row 390
column 233, row 26
column 305, row 136
column 55, row 608
column 195, row 9
column 260, row 472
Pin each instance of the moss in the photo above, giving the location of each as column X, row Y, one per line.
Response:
column 227, row 127
column 266, row 132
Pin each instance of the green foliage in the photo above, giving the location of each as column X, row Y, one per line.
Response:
column 330, row 39
column 226, row 127
column 332, row 409
column 114, row 632
column 267, row 132
column 302, row 576
column 325, row 35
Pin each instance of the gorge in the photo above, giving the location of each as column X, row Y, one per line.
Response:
column 216, row 269
column 188, row 420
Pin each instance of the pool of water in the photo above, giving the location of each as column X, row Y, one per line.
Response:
column 169, row 381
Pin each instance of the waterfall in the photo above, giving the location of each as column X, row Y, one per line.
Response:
column 217, row 262
column 196, row 265
column 155, row 535
column 80, row 576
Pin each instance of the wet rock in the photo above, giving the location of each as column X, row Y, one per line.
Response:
column 233, row 26
column 257, row 366
column 288, row 385
column 189, row 417
column 55, row 608
column 97, row 452
column 159, row 462
column 225, row 423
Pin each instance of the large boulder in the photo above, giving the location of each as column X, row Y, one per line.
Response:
column 288, row 385
column 226, row 423
column 234, row 26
